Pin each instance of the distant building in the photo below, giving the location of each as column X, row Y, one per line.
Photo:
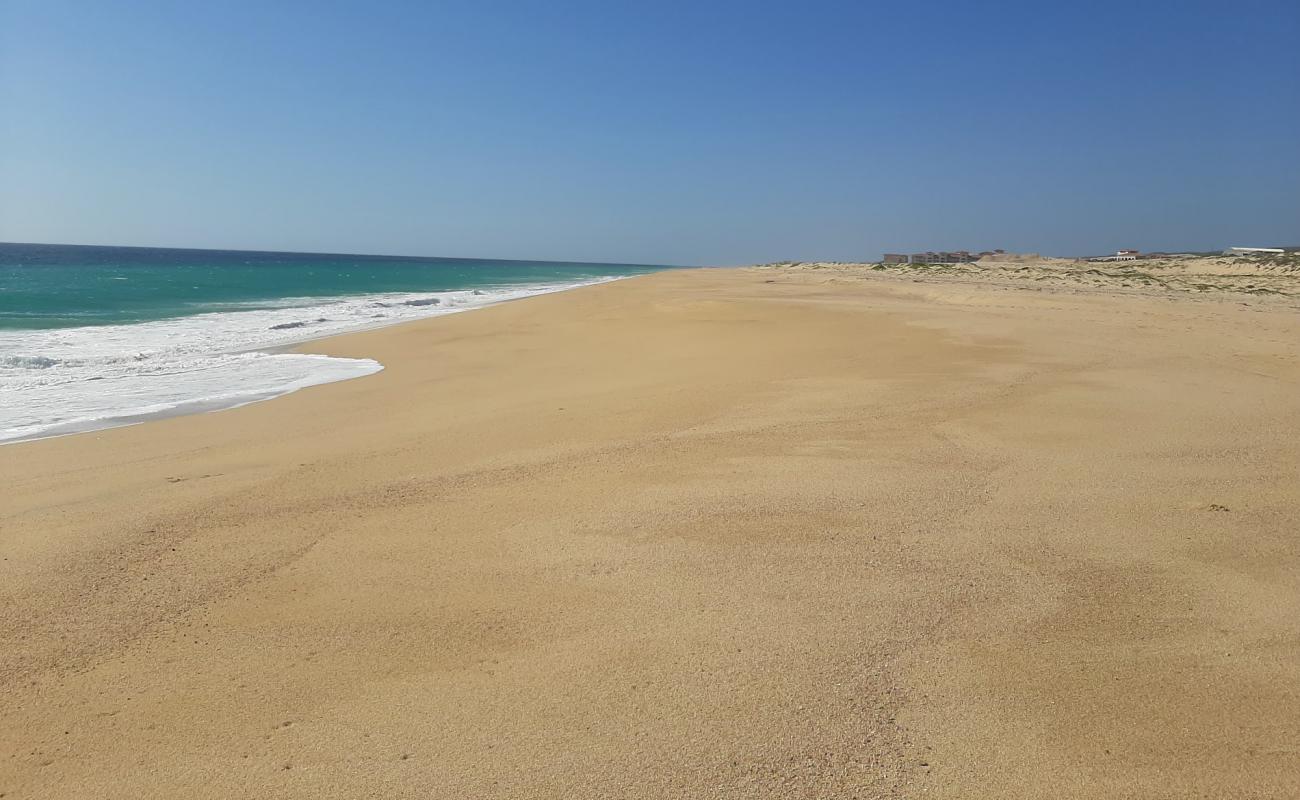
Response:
column 942, row 257
column 1243, row 251
column 1003, row 257
column 939, row 257
column 1120, row 255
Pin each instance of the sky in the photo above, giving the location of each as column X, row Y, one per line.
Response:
column 658, row 132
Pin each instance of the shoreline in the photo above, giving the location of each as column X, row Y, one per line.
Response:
column 716, row 532
column 296, row 346
column 183, row 410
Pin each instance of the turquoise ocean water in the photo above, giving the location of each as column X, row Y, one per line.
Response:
column 92, row 337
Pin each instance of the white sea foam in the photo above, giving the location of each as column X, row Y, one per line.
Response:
column 73, row 379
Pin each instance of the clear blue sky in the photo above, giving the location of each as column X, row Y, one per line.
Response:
column 662, row 132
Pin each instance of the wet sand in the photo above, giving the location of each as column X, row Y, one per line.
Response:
column 756, row 533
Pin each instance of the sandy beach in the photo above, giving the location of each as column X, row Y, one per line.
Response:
column 814, row 531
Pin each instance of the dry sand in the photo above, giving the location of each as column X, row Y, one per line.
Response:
column 797, row 532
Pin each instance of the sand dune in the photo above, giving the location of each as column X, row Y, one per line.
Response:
column 810, row 531
column 1274, row 279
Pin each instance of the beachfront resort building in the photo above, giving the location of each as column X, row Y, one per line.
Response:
column 955, row 257
column 1245, row 251
column 1120, row 255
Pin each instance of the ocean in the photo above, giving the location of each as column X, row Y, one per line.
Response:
column 93, row 337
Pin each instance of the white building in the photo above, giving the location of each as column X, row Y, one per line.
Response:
column 1120, row 255
column 1243, row 251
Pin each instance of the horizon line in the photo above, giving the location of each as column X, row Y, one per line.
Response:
column 351, row 255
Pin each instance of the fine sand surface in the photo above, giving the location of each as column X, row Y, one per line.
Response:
column 792, row 532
